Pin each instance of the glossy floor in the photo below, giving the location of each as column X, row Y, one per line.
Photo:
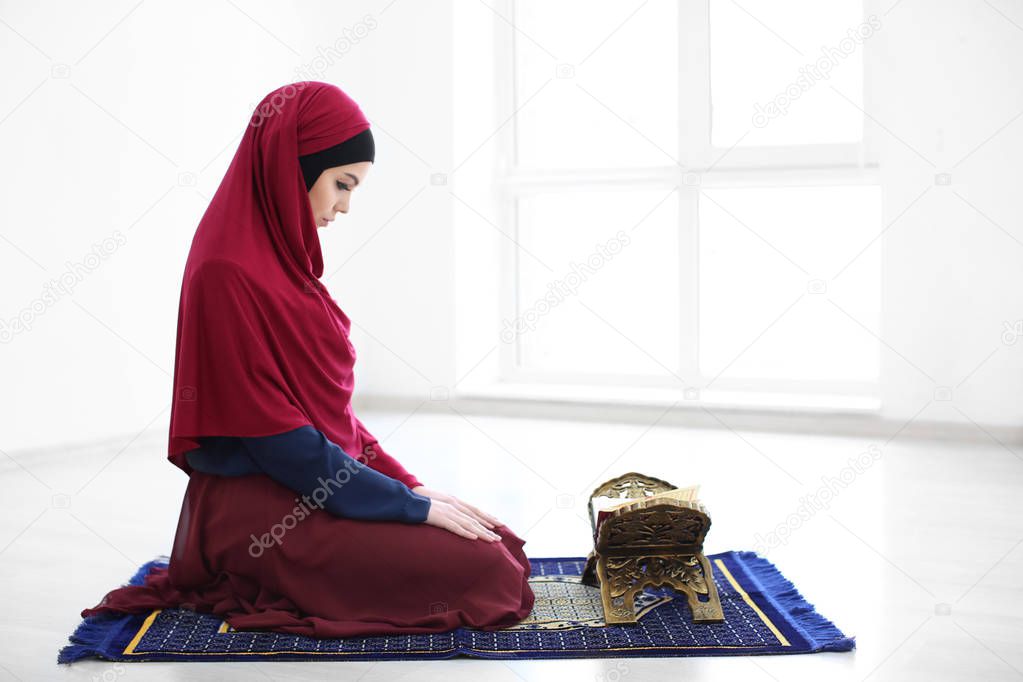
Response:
column 912, row 546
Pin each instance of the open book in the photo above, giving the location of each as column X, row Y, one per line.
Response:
column 604, row 506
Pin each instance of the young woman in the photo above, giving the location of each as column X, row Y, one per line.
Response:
column 294, row 518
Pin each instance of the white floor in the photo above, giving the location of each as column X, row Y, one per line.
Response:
column 917, row 555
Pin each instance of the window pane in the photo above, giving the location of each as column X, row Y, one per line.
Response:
column 773, row 64
column 580, row 247
column 755, row 244
column 614, row 102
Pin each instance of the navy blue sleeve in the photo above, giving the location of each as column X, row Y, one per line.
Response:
column 222, row 456
column 307, row 462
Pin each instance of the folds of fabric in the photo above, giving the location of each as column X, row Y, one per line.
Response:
column 242, row 553
column 262, row 347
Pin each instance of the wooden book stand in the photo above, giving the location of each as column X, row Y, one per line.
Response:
column 657, row 545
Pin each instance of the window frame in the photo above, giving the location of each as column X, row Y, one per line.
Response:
column 701, row 165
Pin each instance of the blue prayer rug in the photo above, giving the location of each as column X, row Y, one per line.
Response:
column 764, row 614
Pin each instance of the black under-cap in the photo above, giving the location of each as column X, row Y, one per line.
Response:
column 353, row 150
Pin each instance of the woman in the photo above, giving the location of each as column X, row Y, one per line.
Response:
column 294, row 518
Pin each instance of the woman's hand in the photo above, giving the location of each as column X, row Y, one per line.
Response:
column 445, row 515
column 476, row 514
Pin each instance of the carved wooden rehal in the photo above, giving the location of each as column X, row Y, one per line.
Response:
column 657, row 545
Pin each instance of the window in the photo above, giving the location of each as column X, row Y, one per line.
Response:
column 693, row 197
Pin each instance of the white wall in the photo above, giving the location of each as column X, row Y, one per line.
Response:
column 953, row 262
column 108, row 116
column 103, row 112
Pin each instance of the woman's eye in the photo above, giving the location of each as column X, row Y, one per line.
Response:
column 341, row 185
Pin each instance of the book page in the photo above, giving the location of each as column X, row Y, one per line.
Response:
column 688, row 495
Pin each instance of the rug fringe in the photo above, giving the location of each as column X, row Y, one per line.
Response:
column 825, row 636
column 88, row 638
column 95, row 632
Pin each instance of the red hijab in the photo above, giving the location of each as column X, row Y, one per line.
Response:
column 262, row 346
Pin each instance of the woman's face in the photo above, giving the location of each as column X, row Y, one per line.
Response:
column 332, row 191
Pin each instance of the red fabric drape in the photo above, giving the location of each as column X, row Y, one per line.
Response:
column 263, row 348
column 328, row 576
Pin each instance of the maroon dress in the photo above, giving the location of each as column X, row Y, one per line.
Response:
column 328, row 576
